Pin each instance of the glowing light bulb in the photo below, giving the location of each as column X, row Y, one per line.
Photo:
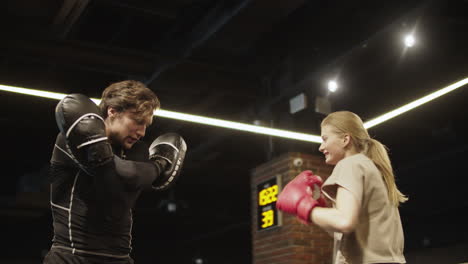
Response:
column 409, row 40
column 332, row 86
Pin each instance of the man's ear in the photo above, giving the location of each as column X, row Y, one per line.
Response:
column 111, row 112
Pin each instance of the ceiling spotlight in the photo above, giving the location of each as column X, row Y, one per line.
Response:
column 332, row 86
column 409, row 40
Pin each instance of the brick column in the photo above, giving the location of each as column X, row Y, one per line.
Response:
column 290, row 242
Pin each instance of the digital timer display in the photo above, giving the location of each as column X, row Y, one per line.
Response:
column 267, row 194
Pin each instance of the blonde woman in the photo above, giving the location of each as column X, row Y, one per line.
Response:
column 364, row 219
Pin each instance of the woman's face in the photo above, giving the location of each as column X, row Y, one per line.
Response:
column 333, row 145
column 125, row 128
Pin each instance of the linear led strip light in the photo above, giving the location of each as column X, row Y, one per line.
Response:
column 259, row 129
column 186, row 117
column 405, row 108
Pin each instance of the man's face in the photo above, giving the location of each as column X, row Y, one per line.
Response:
column 125, row 128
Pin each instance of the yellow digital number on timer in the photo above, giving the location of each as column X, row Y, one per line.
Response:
column 268, row 218
column 268, row 195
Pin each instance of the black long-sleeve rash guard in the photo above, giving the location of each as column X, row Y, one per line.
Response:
column 92, row 214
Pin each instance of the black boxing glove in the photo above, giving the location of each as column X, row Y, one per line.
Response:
column 169, row 151
column 79, row 120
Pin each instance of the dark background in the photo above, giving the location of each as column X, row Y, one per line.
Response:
column 241, row 61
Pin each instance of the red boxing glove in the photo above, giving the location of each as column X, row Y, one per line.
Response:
column 296, row 197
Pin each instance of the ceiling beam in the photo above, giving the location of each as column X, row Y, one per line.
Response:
column 187, row 35
column 67, row 16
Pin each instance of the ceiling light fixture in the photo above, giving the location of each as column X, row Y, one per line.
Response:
column 332, row 86
column 253, row 128
column 238, row 126
column 414, row 104
column 186, row 117
column 409, row 41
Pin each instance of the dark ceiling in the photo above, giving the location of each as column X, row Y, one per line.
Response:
column 241, row 61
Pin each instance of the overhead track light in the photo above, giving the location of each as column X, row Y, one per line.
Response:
column 253, row 128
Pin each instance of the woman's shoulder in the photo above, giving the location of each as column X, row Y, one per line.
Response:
column 354, row 159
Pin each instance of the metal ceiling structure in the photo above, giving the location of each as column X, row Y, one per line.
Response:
column 238, row 60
